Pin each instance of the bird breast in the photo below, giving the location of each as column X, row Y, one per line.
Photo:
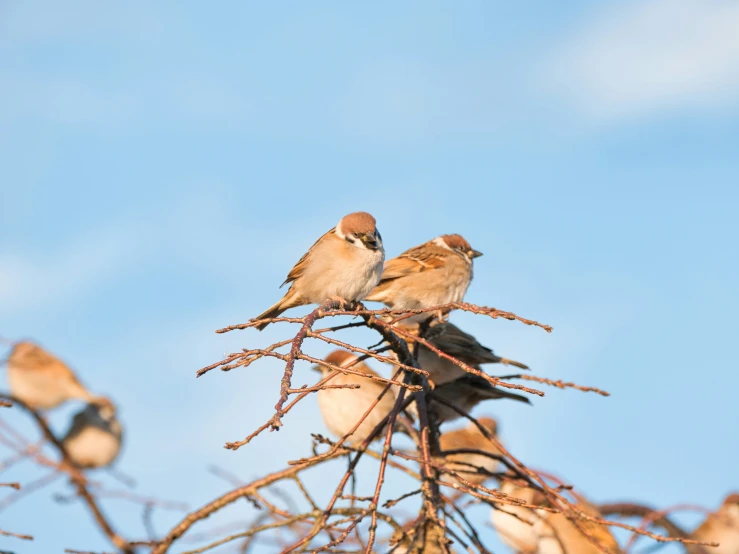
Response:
column 338, row 269
column 342, row 408
column 441, row 370
column 93, row 447
column 40, row 389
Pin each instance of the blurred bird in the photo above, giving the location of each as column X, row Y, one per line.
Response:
column 464, row 393
column 434, row 273
column 41, row 380
column 94, row 438
column 467, row 464
column 451, row 340
column 530, row 531
column 722, row 526
column 343, row 408
column 515, row 525
column 344, row 264
column 433, row 540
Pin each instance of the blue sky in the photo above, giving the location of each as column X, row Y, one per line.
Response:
column 162, row 167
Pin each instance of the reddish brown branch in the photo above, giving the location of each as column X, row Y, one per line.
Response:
column 656, row 517
column 559, row 383
column 16, row 535
column 76, row 477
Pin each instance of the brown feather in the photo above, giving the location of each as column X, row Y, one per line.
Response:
column 358, row 222
column 299, row 267
column 285, row 303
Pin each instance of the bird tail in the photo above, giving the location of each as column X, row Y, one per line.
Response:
column 506, row 361
column 285, row 303
column 496, row 394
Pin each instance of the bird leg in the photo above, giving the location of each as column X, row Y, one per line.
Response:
column 340, row 301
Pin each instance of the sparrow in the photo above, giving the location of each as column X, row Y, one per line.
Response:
column 41, row 380
column 530, row 531
column 435, row 273
column 722, row 526
column 464, row 393
column 342, row 408
column 94, row 438
column 451, row 340
column 467, row 464
column 344, row 264
column 433, row 539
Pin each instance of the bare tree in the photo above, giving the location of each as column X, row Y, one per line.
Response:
column 288, row 514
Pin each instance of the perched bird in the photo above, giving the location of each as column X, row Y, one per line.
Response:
column 464, row 393
column 451, row 340
column 515, row 525
column 434, row 273
column 428, row 538
column 722, row 526
column 94, row 438
column 467, row 464
column 345, row 264
column 530, row 531
column 41, row 380
column 343, row 408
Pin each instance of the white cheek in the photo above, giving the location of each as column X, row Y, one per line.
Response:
column 441, row 242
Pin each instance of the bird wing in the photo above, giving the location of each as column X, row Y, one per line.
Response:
column 486, row 390
column 79, row 423
column 418, row 259
column 299, row 268
column 455, row 343
column 45, row 362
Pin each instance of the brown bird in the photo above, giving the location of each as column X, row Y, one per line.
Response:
column 465, row 393
column 41, row 380
column 722, row 526
column 529, row 531
column 343, row 408
column 451, row 340
column 94, row 438
column 344, row 264
column 431, row 539
column 435, row 273
column 467, row 464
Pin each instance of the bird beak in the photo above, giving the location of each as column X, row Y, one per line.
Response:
column 370, row 241
column 474, row 254
column 316, row 368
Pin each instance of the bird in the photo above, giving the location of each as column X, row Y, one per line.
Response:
column 722, row 526
column 451, row 340
column 427, row 538
column 467, row 464
column 41, row 380
column 342, row 408
column 531, row 531
column 344, row 265
column 464, row 393
column 94, row 437
column 433, row 274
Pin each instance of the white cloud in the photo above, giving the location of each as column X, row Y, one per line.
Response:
column 653, row 56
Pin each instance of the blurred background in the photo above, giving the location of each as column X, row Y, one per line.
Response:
column 162, row 167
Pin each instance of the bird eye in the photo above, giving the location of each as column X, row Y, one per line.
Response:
column 356, row 234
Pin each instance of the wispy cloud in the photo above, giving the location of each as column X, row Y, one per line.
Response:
column 652, row 57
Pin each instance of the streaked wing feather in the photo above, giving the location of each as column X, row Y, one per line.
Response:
column 299, row 267
column 415, row 260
